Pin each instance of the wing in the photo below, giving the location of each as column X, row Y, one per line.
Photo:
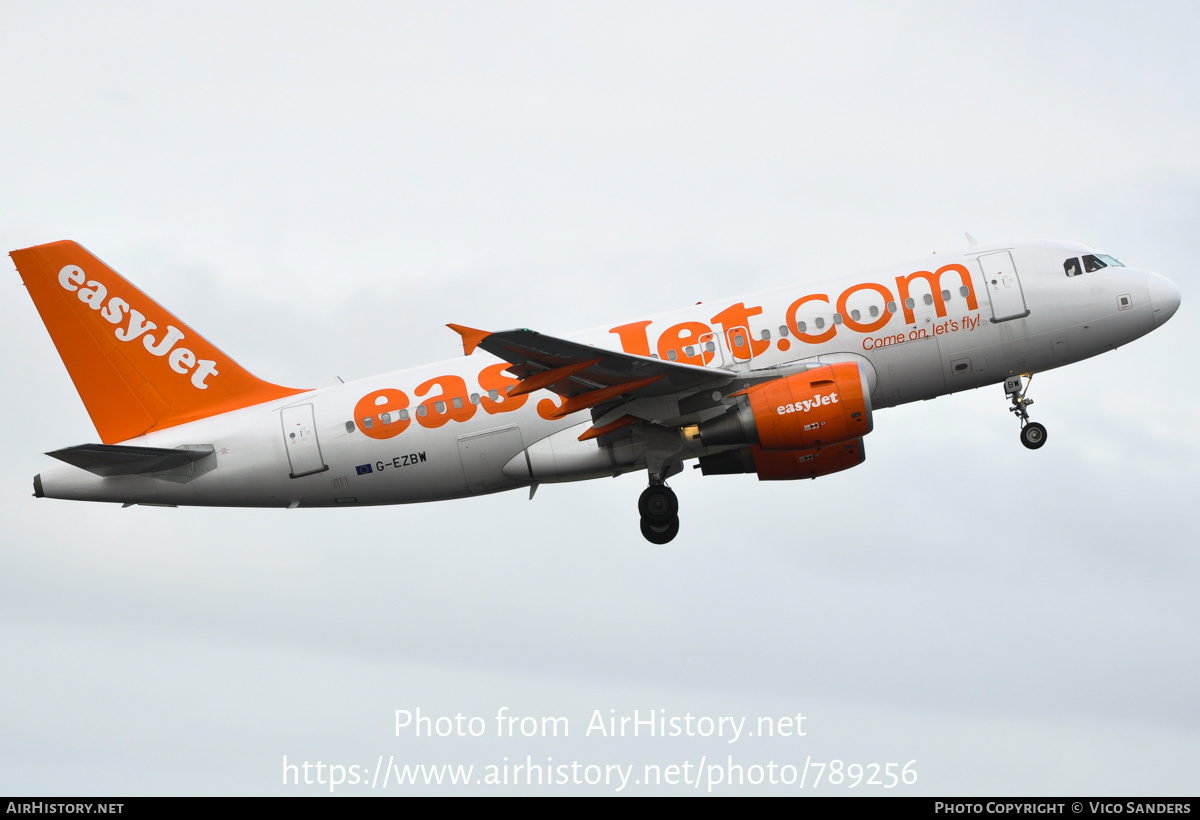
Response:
column 589, row 377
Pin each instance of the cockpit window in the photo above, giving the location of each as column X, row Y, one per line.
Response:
column 1092, row 262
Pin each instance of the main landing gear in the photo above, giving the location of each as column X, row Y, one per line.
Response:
column 1033, row 435
column 660, row 513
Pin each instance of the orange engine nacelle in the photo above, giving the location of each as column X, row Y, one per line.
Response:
column 786, row 465
column 805, row 411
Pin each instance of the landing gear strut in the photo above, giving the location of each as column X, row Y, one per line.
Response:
column 1033, row 435
column 659, row 509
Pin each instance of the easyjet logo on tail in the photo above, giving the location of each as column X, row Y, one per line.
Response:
column 132, row 325
column 136, row 366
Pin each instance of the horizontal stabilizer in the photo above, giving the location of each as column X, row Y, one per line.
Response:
column 121, row 459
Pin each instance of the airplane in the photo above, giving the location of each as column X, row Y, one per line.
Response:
column 781, row 384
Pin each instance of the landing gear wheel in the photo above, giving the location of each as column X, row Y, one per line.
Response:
column 660, row 533
column 1033, row 435
column 658, row 504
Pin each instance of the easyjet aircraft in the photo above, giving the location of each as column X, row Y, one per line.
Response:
column 782, row 384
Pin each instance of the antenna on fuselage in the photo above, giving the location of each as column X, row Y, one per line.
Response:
column 971, row 241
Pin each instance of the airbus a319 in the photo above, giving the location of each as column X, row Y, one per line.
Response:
column 782, row 384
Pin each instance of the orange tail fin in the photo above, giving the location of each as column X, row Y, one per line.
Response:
column 136, row 367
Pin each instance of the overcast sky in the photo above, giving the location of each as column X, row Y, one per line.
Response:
column 319, row 189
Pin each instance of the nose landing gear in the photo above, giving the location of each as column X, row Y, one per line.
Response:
column 1033, row 435
column 659, row 509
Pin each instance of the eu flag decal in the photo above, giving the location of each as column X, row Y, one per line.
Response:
column 363, row 469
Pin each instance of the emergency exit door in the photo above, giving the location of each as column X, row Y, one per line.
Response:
column 300, row 439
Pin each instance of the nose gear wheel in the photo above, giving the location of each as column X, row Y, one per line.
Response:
column 1033, row 435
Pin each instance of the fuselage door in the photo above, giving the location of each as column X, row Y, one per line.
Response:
column 730, row 349
column 713, row 351
column 738, row 340
column 300, row 439
column 1003, row 286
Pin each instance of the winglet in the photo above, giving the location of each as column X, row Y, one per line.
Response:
column 470, row 337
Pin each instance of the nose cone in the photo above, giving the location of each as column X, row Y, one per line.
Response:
column 1164, row 297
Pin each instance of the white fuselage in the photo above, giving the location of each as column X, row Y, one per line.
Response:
column 994, row 311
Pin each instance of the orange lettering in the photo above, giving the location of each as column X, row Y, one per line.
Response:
column 452, row 404
column 494, row 378
column 807, row 338
column 547, row 408
column 371, row 409
column 871, row 327
column 738, row 316
column 677, row 337
column 633, row 338
column 934, row 280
